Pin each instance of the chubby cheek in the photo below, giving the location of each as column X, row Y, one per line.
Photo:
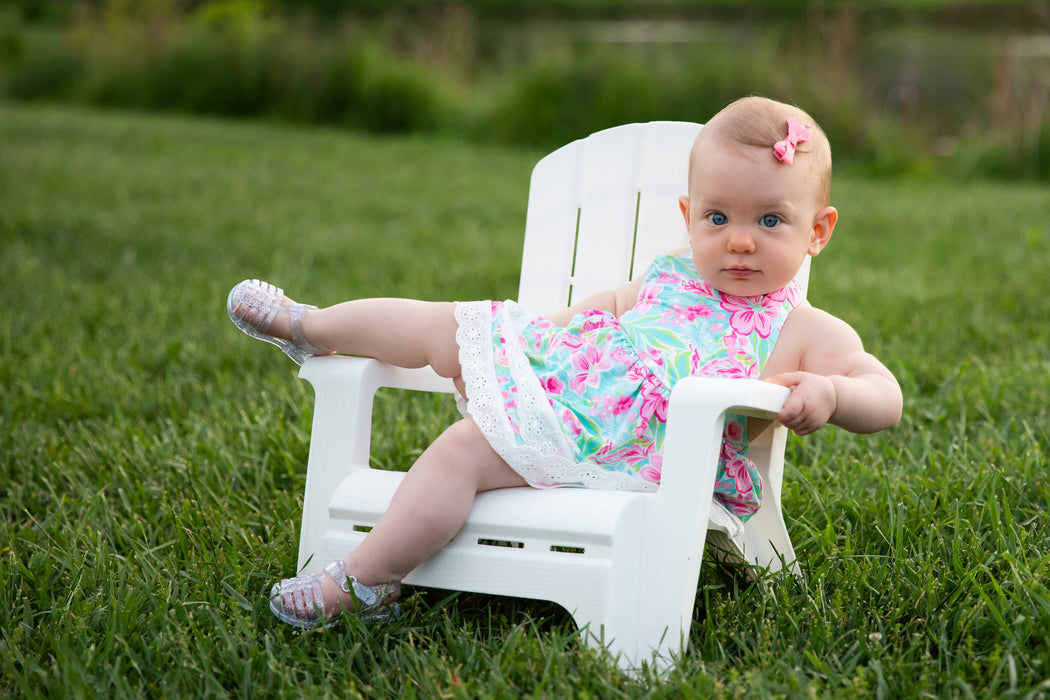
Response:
column 701, row 245
column 702, row 262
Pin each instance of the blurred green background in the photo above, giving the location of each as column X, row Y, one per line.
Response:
column 901, row 86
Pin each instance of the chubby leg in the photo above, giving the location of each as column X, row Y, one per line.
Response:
column 402, row 332
column 432, row 503
column 428, row 508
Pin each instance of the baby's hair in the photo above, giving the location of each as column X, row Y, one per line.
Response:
column 760, row 122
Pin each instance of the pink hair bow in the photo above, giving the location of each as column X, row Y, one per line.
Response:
column 797, row 133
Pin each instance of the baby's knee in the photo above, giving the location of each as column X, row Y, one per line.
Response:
column 465, row 440
column 465, row 452
column 446, row 365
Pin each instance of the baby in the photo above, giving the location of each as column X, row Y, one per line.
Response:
column 578, row 398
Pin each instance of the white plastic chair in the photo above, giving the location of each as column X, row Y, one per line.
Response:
column 625, row 565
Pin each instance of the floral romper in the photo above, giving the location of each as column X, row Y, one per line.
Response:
column 586, row 405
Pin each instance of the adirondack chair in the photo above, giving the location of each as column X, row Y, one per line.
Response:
column 625, row 565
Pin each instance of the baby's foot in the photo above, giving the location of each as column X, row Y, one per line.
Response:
column 320, row 598
column 263, row 311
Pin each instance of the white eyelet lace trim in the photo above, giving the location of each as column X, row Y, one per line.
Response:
column 721, row 518
column 540, row 452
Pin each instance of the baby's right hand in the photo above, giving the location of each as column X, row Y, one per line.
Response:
column 811, row 403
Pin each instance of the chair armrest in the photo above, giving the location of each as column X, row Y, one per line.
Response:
column 345, row 389
column 341, row 437
column 344, row 372
column 696, row 417
column 680, row 510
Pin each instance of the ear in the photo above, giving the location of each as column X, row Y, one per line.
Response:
column 683, row 204
column 823, row 227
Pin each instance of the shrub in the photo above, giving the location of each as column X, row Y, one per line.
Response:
column 313, row 83
column 548, row 104
column 604, row 85
column 540, row 87
column 397, row 96
column 52, row 69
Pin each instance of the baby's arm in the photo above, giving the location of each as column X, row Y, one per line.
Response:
column 836, row 381
column 615, row 301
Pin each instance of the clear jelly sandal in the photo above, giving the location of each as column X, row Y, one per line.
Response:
column 254, row 304
column 372, row 604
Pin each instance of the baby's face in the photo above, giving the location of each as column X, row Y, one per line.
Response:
column 751, row 219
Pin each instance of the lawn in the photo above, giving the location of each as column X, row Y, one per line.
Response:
column 153, row 458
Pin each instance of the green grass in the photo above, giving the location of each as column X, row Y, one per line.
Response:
column 153, row 458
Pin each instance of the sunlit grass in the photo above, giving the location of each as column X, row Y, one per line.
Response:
column 153, row 458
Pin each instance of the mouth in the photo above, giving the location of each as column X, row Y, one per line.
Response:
column 740, row 272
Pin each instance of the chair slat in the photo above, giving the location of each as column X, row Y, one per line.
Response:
column 662, row 179
column 608, row 204
column 550, row 231
column 600, row 209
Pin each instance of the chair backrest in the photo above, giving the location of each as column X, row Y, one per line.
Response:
column 601, row 208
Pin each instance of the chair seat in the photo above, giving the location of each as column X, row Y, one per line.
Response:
column 512, row 537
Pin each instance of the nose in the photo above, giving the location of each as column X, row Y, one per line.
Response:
column 740, row 240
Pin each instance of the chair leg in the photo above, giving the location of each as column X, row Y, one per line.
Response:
column 766, row 541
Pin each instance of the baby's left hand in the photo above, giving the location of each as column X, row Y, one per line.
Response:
column 811, row 403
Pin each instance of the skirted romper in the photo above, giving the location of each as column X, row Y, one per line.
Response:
column 585, row 405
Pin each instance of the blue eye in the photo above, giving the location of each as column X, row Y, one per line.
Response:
column 718, row 218
column 770, row 220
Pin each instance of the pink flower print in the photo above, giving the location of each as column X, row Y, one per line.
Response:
column 567, row 340
column 633, row 454
column 700, row 311
column 621, row 356
column 590, row 363
column 729, row 367
column 790, row 293
column 647, row 298
column 750, row 314
column 569, row 419
column 510, row 396
column 681, row 315
column 654, row 356
column 553, row 386
column 544, row 324
column 736, row 469
column 734, row 433
column 604, row 407
column 734, row 343
column 598, row 319
column 654, row 403
column 637, row 372
column 622, row 405
column 652, row 472
column 701, row 288
column 499, row 356
column 778, row 295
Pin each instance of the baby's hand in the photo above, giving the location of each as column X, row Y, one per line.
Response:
column 811, row 403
